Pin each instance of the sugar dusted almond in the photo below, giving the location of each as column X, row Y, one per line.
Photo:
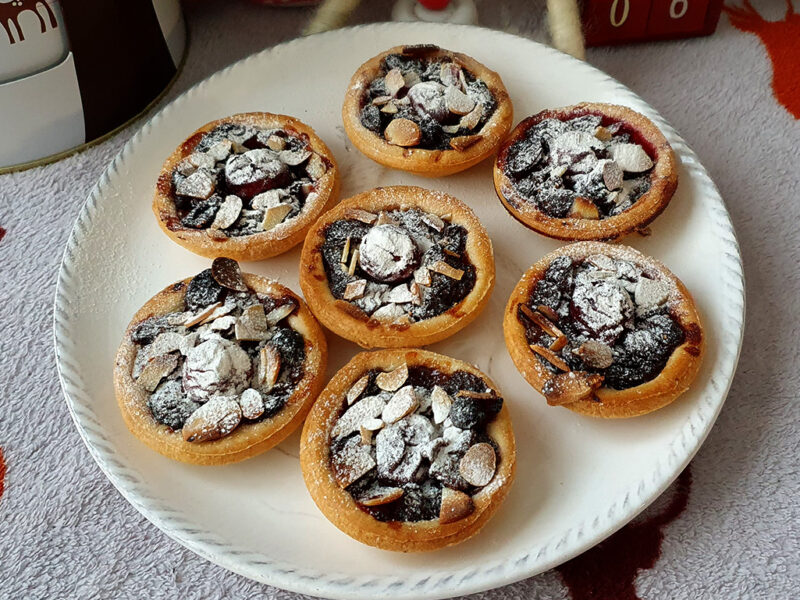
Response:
column 228, row 212
column 274, row 215
column 456, row 505
column 441, row 402
column 346, row 251
column 432, row 221
column 394, row 81
column 602, row 134
column 465, row 141
column 458, row 102
column 416, row 293
column 550, row 357
column 402, row 404
column 389, row 313
column 252, row 324
column 355, row 289
column 269, row 367
column 164, row 343
column 630, row 157
column 541, row 321
column 227, row 273
column 451, row 129
column 422, row 276
column 650, row 292
column 194, row 318
column 471, row 119
column 403, row 320
column 294, row 157
column 574, row 386
column 381, row 100
column 351, row 462
column 353, row 262
column 612, row 174
column 392, row 380
column 487, row 395
column 368, row 429
column 449, row 74
column 278, row 314
column 252, row 404
column 381, row 496
column 216, row 234
column 446, row 270
column 220, row 151
column 390, row 108
column 583, row 209
column 399, row 294
column 350, row 422
column 410, row 79
column 383, row 218
column 266, row 199
column 547, row 312
column 403, row 132
column 361, row 215
column 316, row 167
column 595, row 354
column 478, row 465
column 358, row 388
column 155, row 370
column 558, row 343
column 215, row 419
column 602, row 262
column 276, row 143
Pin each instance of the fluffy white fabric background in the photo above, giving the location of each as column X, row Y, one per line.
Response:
column 66, row 533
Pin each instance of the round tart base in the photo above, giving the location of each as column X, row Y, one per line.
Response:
column 248, row 439
column 348, row 321
column 663, row 180
column 673, row 380
column 429, row 163
column 257, row 246
column 339, row 507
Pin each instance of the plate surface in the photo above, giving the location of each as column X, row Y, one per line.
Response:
column 578, row 479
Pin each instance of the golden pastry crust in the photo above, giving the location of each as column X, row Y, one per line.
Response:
column 430, row 163
column 258, row 246
column 663, row 179
column 338, row 505
column 347, row 320
column 248, row 439
column 673, row 380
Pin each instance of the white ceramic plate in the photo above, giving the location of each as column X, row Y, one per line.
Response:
column 578, row 479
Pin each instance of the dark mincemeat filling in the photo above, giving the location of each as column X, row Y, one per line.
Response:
column 442, row 294
column 422, row 497
column 640, row 352
column 529, row 164
column 430, row 122
column 203, row 291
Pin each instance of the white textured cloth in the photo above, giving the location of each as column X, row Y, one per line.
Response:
column 66, row 533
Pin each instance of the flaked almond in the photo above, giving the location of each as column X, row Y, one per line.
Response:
column 269, row 368
column 411, row 78
column 449, row 74
column 558, row 343
column 451, row 129
column 399, row 294
column 416, row 293
column 402, row 132
column 350, row 422
column 316, row 167
column 218, row 313
column 630, row 157
column 442, row 267
column 478, row 464
column 351, row 463
column 550, row 356
column 361, row 215
column 488, row 395
column 602, row 134
column 394, row 81
column 402, row 404
column 252, row 324
column 368, row 429
column 215, row 419
column 220, row 151
column 471, row 119
column 276, row 143
column 228, row 212
column 565, row 388
column 227, row 273
column 216, row 234
column 278, row 314
column 252, row 404
column 450, row 252
column 463, row 142
column 381, row 100
column 266, row 199
column 432, row 221
column 541, row 321
column 358, row 388
column 353, row 262
column 223, row 323
column 389, row 313
column 402, row 320
column 274, row 215
column 422, row 276
column 383, row 218
column 583, row 209
column 355, row 289
column 380, row 496
column 392, row 380
column 455, row 506
column 345, row 251
column 547, row 312
column 165, row 342
column 595, row 354
column 199, row 317
column 458, row 102
column 611, row 173
column 390, row 108
column 155, row 370
column 294, row 158
column 441, row 402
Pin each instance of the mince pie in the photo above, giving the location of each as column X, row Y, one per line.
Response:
column 247, row 187
column 397, row 266
column 408, row 450
column 426, row 110
column 220, row 367
column 604, row 330
column 586, row 172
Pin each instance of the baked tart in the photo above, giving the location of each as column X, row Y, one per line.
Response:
column 219, row 367
column 408, row 450
column 586, row 172
column 604, row 330
column 426, row 110
column 246, row 187
column 397, row 266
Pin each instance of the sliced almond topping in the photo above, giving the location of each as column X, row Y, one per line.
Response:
column 595, row 354
column 366, row 408
column 276, row 142
column 558, row 343
column 155, row 370
column 228, row 212
column 222, row 323
column 422, row 276
column 274, row 215
column 388, row 313
column 478, row 465
column 433, row 221
column 381, row 100
column 276, row 315
column 381, row 496
column 227, row 273
column 294, row 157
column 194, row 319
column 458, row 102
column 218, row 313
column 446, row 270
column 583, row 209
column 215, row 419
column 449, row 74
column 550, row 356
column 389, row 108
column 353, row 262
column 316, row 167
column 269, row 368
column 361, row 215
column 630, row 157
column 411, row 79
column 399, row 294
column 368, row 429
column 403, row 319
column 252, row 404
column 402, row 404
column 456, row 505
column 476, row 395
column 471, row 119
column 450, row 252
column 602, row 134
column 358, row 388
column 252, row 324
column 612, row 174
column 403, row 132
column 266, row 199
column 416, row 293
column 383, row 218
column 355, row 289
column 465, row 141
column 351, row 463
column 541, row 321
column 441, row 402
column 346, row 251
column 393, row 380
column 547, row 312
column 394, row 81
column 451, row 129
column 165, row 342
column 571, row 387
